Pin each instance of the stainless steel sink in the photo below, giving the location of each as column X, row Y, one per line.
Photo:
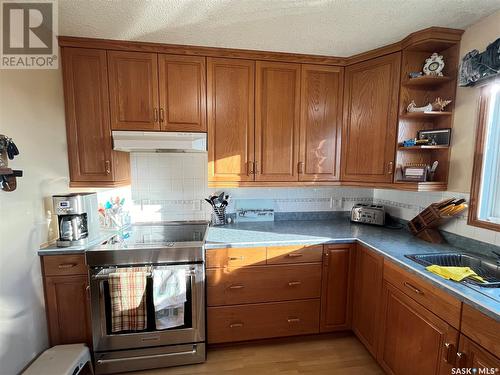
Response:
column 487, row 269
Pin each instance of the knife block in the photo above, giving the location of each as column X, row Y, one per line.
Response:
column 425, row 223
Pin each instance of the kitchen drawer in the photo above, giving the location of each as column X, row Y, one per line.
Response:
column 62, row 265
column 481, row 328
column 233, row 286
column 434, row 299
column 294, row 254
column 259, row 321
column 235, row 257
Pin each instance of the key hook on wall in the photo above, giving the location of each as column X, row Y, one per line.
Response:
column 8, row 176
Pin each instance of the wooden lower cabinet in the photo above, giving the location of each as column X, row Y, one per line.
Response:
column 367, row 293
column 265, row 320
column 67, row 306
column 338, row 262
column 471, row 355
column 412, row 339
column 226, row 286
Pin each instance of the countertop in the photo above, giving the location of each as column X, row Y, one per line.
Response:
column 393, row 244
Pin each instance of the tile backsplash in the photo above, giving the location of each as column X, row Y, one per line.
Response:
column 168, row 186
column 172, row 186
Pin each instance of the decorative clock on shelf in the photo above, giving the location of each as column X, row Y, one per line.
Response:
column 434, row 65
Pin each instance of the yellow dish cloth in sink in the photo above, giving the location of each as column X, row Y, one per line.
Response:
column 454, row 273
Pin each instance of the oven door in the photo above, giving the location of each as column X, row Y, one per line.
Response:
column 192, row 331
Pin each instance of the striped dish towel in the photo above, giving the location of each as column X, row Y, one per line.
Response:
column 127, row 289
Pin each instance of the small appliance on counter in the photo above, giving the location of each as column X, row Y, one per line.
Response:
column 77, row 218
column 368, row 214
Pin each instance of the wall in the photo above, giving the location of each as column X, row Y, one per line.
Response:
column 32, row 113
column 477, row 36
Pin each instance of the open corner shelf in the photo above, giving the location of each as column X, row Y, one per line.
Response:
column 421, row 115
column 423, row 147
column 426, row 81
column 422, row 186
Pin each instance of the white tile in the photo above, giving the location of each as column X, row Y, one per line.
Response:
column 484, row 235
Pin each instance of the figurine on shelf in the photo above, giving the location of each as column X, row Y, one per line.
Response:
column 439, row 104
column 412, row 107
column 434, row 65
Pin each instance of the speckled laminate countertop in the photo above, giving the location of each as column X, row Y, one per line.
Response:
column 393, row 244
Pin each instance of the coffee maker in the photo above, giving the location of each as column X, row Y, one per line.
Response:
column 77, row 218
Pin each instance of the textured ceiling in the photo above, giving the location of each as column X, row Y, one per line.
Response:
column 328, row 27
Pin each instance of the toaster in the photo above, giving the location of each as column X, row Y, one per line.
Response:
column 368, row 214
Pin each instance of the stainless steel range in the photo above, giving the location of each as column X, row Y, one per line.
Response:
column 175, row 247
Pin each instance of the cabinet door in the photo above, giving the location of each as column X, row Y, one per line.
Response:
column 471, row 355
column 133, row 89
column 182, row 93
column 67, row 307
column 230, row 119
column 367, row 296
column 412, row 339
column 277, row 121
column 336, row 288
column 88, row 130
column 320, row 122
column 370, row 119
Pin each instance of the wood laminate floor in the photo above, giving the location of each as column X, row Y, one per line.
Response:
column 323, row 354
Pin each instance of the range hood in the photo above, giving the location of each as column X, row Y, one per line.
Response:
column 136, row 141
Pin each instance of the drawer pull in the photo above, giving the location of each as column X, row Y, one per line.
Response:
column 294, row 255
column 414, row 289
column 64, row 266
column 293, row 320
column 237, row 286
column 236, row 258
column 236, row 325
column 294, row 283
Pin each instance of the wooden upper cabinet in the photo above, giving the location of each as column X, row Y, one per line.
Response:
column 368, row 278
column 182, row 93
column 92, row 163
column 320, row 122
column 412, row 339
column 370, row 119
column 133, row 89
column 277, row 112
column 338, row 263
column 230, row 119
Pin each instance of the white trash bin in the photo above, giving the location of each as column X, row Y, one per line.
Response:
column 61, row 360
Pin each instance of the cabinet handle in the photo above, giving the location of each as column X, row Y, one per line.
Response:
column 236, row 258
column 390, row 167
column 162, row 115
column 414, row 289
column 256, row 167
column 64, row 266
column 155, row 113
column 236, row 286
column 294, row 255
column 449, row 353
column 236, row 325
column 293, row 320
column 300, row 167
column 107, row 165
column 294, row 283
column 326, row 256
column 461, row 359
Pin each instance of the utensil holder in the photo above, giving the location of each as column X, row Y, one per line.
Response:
column 218, row 216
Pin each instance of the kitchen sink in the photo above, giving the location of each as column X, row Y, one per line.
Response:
column 487, row 269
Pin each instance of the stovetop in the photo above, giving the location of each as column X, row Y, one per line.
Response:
column 145, row 243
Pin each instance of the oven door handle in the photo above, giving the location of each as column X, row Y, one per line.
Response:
column 151, row 356
column 194, row 297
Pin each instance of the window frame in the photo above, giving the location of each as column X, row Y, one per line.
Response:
column 477, row 172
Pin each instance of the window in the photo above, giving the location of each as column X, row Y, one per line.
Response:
column 485, row 191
